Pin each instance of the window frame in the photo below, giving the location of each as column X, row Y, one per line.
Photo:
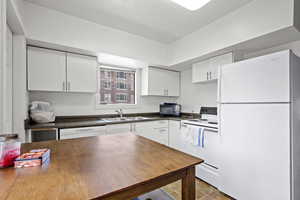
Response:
column 118, row 105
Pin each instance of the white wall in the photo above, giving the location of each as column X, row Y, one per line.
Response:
column 85, row 104
column 2, row 59
column 294, row 46
column 193, row 96
column 20, row 96
column 15, row 16
column 253, row 20
column 50, row 26
column 297, row 14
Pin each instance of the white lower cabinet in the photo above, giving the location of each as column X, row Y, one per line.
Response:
column 174, row 135
column 118, row 128
column 157, row 131
column 82, row 132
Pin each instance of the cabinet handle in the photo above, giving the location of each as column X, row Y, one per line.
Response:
column 69, row 86
column 165, row 92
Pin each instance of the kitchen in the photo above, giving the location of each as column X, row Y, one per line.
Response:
column 217, row 99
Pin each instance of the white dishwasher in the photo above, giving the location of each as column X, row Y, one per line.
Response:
column 82, row 132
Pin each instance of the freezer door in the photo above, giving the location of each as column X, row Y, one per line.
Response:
column 261, row 79
column 255, row 151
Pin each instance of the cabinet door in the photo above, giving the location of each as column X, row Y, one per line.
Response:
column 81, row 73
column 156, row 84
column 163, row 82
column 201, row 71
column 156, row 131
column 144, row 129
column 174, row 135
column 46, row 70
column 217, row 62
column 118, row 128
column 172, row 83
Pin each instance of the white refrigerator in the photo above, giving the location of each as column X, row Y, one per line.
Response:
column 259, row 106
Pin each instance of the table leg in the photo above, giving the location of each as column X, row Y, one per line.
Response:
column 188, row 184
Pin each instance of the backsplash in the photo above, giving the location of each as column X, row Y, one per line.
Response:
column 85, row 104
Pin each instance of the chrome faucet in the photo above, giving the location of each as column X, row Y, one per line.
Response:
column 120, row 112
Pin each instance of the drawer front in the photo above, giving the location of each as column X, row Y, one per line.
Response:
column 78, row 135
column 161, row 131
column 118, row 128
column 208, row 174
column 72, row 131
column 161, row 124
column 154, row 124
column 82, row 132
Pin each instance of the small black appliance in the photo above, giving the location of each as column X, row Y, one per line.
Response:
column 170, row 109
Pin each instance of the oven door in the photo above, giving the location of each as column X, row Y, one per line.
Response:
column 209, row 152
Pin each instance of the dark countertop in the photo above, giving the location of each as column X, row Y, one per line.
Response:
column 64, row 122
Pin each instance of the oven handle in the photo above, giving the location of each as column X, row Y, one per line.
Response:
column 205, row 128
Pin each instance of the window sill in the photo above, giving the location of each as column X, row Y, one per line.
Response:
column 117, row 106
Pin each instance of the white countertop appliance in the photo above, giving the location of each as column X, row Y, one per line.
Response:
column 259, row 128
column 209, row 170
column 41, row 112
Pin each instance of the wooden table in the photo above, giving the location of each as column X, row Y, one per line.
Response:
column 115, row 167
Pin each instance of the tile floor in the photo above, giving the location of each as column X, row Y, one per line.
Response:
column 204, row 191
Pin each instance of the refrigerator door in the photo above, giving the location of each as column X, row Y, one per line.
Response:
column 262, row 79
column 255, row 151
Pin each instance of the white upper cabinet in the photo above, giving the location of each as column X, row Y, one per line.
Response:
column 160, row 82
column 207, row 70
column 57, row 71
column 201, row 71
column 46, row 70
column 81, row 73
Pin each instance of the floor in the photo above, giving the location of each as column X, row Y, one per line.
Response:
column 204, row 191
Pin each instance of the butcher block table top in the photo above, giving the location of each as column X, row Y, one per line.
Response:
column 116, row 167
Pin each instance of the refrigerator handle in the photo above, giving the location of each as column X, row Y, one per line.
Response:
column 219, row 100
column 219, row 84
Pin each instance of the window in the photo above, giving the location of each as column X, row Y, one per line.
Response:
column 121, row 85
column 115, row 86
column 121, row 98
column 106, row 84
column 121, row 75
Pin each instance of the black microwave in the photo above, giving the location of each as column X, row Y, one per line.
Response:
column 170, row 109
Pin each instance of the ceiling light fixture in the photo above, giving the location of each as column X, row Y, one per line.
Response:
column 191, row 4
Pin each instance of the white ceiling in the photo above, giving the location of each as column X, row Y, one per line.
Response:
column 160, row 20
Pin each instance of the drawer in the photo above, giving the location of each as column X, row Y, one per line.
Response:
column 78, row 135
column 161, row 124
column 73, row 131
column 208, row 174
column 161, row 130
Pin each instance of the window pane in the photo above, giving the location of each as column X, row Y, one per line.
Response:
column 115, row 86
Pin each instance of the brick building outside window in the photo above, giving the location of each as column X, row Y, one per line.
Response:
column 115, row 86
